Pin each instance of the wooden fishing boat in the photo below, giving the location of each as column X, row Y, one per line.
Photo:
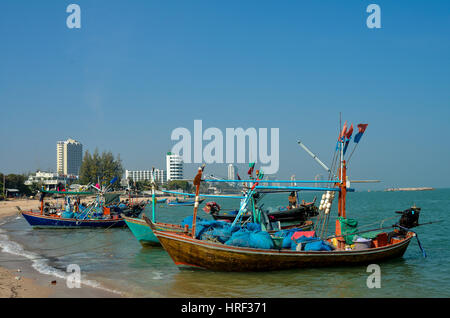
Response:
column 75, row 217
column 144, row 233
column 188, row 250
column 37, row 220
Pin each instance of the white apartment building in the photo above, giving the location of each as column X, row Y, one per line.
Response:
column 231, row 172
column 48, row 179
column 69, row 155
column 174, row 164
column 143, row 175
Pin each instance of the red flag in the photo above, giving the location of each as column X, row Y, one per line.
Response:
column 344, row 130
column 362, row 127
column 349, row 132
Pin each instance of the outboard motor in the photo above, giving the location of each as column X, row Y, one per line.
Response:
column 409, row 218
column 212, row 208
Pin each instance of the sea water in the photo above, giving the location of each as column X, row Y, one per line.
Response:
column 113, row 258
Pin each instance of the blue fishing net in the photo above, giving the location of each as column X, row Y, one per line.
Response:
column 239, row 238
column 287, row 234
column 261, row 239
column 255, row 239
column 67, row 215
column 317, row 246
column 301, row 239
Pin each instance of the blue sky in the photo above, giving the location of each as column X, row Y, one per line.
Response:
column 136, row 70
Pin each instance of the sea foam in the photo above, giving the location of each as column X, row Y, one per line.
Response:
column 40, row 263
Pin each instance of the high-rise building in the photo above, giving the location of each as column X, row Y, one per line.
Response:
column 69, row 155
column 293, row 184
column 231, row 172
column 174, row 165
column 143, row 175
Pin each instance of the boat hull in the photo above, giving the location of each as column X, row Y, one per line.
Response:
column 42, row 221
column 144, row 234
column 186, row 251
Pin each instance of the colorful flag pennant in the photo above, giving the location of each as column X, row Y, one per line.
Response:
column 252, row 166
column 348, row 136
column 362, row 129
column 344, row 131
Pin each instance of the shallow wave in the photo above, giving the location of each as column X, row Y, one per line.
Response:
column 40, row 263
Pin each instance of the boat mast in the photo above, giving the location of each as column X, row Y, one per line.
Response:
column 197, row 181
column 153, row 194
column 343, row 191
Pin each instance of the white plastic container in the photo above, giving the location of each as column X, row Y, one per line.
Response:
column 361, row 243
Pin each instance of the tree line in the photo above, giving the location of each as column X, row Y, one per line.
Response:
column 14, row 181
column 101, row 167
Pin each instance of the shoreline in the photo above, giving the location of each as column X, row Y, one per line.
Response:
column 18, row 278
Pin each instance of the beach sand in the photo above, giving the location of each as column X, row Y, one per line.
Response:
column 19, row 280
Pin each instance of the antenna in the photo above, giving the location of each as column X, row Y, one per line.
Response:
column 314, row 157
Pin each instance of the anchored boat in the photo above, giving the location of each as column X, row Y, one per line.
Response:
column 245, row 250
column 74, row 214
column 181, row 202
column 298, row 213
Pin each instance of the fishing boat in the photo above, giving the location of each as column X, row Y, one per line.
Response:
column 187, row 251
column 144, row 234
column 75, row 215
column 182, row 202
column 299, row 213
column 308, row 248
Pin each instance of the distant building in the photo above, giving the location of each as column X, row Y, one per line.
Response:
column 144, row 175
column 69, row 155
column 49, row 180
column 231, row 172
column 318, row 177
column 174, row 165
column 293, row 184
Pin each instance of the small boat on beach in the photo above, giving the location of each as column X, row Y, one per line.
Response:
column 74, row 214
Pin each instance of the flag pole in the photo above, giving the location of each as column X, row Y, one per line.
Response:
column 197, row 181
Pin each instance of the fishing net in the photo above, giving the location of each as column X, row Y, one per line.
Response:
column 286, row 235
column 67, row 215
column 348, row 228
column 246, row 238
column 240, row 238
column 317, row 246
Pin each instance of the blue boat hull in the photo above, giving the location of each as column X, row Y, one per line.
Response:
column 142, row 232
column 42, row 221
